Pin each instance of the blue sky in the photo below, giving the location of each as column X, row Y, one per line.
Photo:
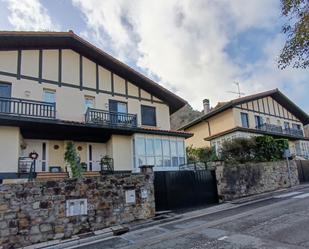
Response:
column 196, row 48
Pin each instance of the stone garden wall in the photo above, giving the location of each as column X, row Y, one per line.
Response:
column 235, row 181
column 40, row 211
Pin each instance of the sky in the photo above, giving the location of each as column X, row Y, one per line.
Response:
column 197, row 49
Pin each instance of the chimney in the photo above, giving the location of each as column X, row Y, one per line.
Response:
column 206, row 106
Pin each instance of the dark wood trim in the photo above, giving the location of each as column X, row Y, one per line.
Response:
column 247, row 105
column 263, row 104
column 151, row 98
column 274, row 108
column 269, row 114
column 126, row 88
column 97, row 77
column 112, row 84
column 268, row 106
column 76, row 86
column 80, row 72
column 40, row 65
column 59, row 67
column 18, row 64
column 258, row 104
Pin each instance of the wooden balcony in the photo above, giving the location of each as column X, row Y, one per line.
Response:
column 110, row 119
column 27, row 108
column 279, row 130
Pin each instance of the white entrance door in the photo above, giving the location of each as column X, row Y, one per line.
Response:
column 41, row 148
column 95, row 152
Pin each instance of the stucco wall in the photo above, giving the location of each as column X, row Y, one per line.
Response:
column 70, row 100
column 9, row 149
column 120, row 148
column 219, row 123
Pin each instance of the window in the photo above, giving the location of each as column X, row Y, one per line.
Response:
column 160, row 152
column 148, row 115
column 296, row 126
column 258, row 121
column 268, row 120
column 286, row 125
column 117, row 106
column 49, row 96
column 5, row 90
column 89, row 102
column 244, row 120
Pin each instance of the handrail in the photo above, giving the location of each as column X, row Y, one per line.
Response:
column 27, row 108
column 278, row 129
column 107, row 118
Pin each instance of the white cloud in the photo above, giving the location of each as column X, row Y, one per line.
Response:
column 184, row 43
column 29, row 15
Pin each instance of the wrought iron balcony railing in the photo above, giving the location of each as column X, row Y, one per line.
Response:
column 107, row 118
column 27, row 108
column 278, row 129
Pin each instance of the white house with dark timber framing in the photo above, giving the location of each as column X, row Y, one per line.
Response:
column 56, row 87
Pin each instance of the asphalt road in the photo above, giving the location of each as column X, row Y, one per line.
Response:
column 279, row 222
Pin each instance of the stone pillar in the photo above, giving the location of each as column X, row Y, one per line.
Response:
column 146, row 169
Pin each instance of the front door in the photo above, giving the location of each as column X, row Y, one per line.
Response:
column 95, row 153
column 40, row 147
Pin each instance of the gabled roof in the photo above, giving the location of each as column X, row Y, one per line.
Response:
column 275, row 94
column 68, row 40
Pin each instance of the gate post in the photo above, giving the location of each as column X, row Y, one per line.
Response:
column 146, row 169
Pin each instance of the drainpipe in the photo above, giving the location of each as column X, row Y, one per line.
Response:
column 209, row 131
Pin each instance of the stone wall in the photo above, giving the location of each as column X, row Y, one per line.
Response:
column 37, row 211
column 235, row 181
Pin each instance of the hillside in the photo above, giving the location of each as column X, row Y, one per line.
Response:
column 184, row 116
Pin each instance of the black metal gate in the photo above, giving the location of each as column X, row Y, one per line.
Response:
column 303, row 170
column 184, row 189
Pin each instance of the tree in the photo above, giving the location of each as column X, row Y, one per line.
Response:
column 296, row 48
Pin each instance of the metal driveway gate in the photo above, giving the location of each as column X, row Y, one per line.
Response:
column 184, row 189
column 303, row 170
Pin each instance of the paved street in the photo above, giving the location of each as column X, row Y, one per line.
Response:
column 279, row 222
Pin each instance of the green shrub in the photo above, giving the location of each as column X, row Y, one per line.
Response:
column 204, row 154
column 238, row 150
column 260, row 149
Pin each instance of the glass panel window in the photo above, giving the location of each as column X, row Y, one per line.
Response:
column 122, row 107
column 148, row 115
column 150, row 160
column 244, row 120
column 296, row 126
column 286, row 125
column 158, row 147
column 258, row 121
column 49, row 96
column 149, row 147
column 159, row 161
column 174, row 153
column 89, row 102
column 140, row 146
column 166, row 147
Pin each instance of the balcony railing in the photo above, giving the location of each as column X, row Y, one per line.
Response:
column 278, row 129
column 293, row 132
column 107, row 118
column 27, row 108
